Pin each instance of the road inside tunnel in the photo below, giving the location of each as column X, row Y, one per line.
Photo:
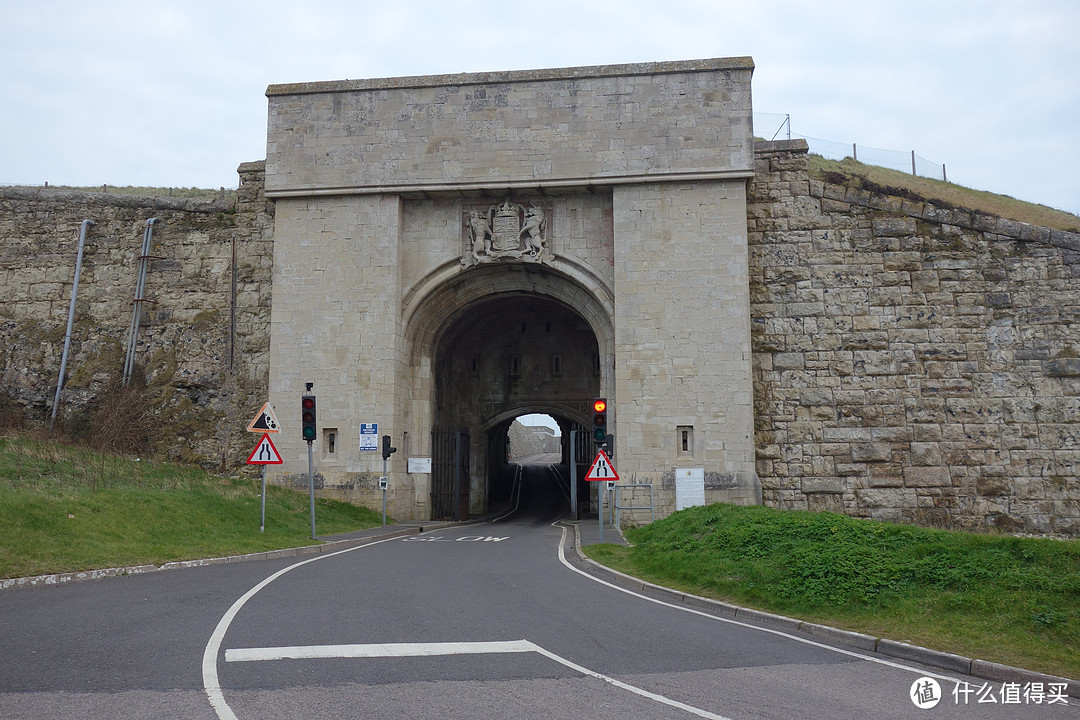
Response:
column 540, row 490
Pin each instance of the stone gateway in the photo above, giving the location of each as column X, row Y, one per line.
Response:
column 452, row 252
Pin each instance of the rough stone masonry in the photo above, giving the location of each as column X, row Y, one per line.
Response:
column 884, row 357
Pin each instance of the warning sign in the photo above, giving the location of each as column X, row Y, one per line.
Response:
column 602, row 469
column 264, row 421
column 265, row 453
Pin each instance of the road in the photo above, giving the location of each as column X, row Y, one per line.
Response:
column 478, row 621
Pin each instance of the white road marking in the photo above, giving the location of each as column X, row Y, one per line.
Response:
column 380, row 650
column 209, row 662
column 805, row 641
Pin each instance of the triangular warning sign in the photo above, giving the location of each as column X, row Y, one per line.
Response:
column 264, row 421
column 265, row 453
column 602, row 469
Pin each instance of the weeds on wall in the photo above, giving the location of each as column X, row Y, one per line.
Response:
column 120, row 420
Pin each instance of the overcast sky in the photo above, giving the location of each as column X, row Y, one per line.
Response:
column 172, row 93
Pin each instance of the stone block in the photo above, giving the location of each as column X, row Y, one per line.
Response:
column 927, row 477
column 992, row 486
column 823, row 485
column 925, row 453
column 870, row 452
column 893, row 226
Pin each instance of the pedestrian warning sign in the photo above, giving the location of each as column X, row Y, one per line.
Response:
column 602, row 469
column 265, row 453
column 264, row 421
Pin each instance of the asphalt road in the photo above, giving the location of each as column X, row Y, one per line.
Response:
column 477, row 621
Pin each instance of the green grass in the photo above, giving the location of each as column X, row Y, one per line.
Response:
column 192, row 192
column 854, row 174
column 999, row 598
column 64, row 508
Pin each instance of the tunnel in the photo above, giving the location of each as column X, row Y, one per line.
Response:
column 504, row 356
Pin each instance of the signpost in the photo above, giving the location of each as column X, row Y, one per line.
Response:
column 265, row 453
column 602, row 470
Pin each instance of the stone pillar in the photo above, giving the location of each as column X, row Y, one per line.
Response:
column 682, row 338
column 336, row 323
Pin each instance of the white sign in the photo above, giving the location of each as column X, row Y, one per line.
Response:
column 383, row 482
column 689, row 487
column 420, row 465
column 602, row 469
column 369, row 436
column 264, row 453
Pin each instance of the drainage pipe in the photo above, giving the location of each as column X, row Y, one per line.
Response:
column 140, row 289
column 71, row 319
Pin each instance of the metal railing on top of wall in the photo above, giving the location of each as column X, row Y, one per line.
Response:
column 774, row 125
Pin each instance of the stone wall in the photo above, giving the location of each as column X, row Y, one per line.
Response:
column 204, row 332
column 912, row 362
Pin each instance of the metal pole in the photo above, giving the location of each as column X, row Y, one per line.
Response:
column 600, row 509
column 311, row 488
column 384, row 492
column 262, row 519
column 71, row 318
column 573, row 477
column 913, row 162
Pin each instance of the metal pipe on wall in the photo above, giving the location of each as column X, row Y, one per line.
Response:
column 140, row 289
column 71, row 319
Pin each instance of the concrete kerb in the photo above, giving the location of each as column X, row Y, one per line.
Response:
column 868, row 643
column 326, row 547
column 335, row 543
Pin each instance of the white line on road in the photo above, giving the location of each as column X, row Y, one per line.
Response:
column 780, row 633
column 209, row 662
column 379, row 650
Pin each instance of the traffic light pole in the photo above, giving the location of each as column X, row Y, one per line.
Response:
column 384, row 490
column 311, row 487
column 573, row 477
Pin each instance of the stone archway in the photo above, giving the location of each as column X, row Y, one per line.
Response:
column 533, row 342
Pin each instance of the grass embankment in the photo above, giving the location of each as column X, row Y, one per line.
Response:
column 139, row 191
column 64, row 508
column 851, row 173
column 1004, row 599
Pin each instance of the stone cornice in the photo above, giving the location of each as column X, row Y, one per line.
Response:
column 490, row 78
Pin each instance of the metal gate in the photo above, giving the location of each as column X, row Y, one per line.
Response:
column 449, row 475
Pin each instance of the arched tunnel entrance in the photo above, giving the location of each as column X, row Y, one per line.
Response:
column 504, row 356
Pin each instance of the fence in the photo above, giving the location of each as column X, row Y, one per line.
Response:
column 773, row 125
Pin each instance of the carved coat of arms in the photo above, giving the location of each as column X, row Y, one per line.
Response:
column 507, row 231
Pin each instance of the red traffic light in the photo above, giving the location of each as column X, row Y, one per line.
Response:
column 599, row 405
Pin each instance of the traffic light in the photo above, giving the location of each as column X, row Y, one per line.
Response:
column 307, row 417
column 387, row 451
column 599, row 422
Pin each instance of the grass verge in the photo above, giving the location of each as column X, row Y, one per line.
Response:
column 854, row 174
column 1005, row 599
column 65, row 509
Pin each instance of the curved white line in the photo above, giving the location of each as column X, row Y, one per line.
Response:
column 213, row 646
column 805, row 641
